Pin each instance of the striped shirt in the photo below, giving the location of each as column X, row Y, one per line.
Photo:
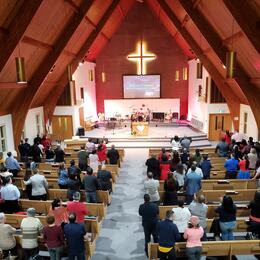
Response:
column 31, row 227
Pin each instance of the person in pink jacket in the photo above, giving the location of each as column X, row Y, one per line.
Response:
column 193, row 234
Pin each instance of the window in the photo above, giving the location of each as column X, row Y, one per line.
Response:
column 82, row 93
column 90, row 75
column 3, row 143
column 177, row 75
column 38, row 124
column 245, row 122
column 185, row 73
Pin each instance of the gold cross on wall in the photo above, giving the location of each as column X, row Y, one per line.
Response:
column 141, row 57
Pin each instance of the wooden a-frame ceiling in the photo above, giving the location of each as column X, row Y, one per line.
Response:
column 51, row 34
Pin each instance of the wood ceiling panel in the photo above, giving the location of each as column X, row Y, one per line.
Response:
column 52, row 17
column 96, row 47
column 79, row 37
column 219, row 17
column 98, row 9
column 8, row 9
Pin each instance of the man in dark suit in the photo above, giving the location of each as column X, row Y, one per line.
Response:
column 149, row 212
column 153, row 165
column 113, row 155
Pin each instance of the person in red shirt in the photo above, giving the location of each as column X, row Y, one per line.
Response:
column 162, row 153
column 244, row 172
column 165, row 166
column 59, row 212
column 79, row 208
column 227, row 137
column 54, row 238
column 102, row 153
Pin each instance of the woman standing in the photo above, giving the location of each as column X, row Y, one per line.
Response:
column 193, row 233
column 59, row 212
column 244, row 172
column 63, row 176
column 102, row 153
column 227, row 218
column 93, row 161
column 254, row 217
column 170, row 187
column 165, row 166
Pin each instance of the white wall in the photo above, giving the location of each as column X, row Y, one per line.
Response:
column 81, row 77
column 200, row 110
column 125, row 106
column 30, row 126
column 252, row 129
column 6, row 121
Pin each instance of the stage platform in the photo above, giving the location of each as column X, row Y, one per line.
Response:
column 158, row 137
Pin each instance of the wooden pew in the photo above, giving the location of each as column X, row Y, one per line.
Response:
column 223, row 184
column 90, row 245
column 220, row 174
column 242, row 211
column 214, row 248
column 212, row 196
column 237, row 195
column 102, row 196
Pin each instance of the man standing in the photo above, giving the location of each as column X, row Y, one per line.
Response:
column 153, row 165
column 168, row 234
column 185, row 143
column 113, row 155
column 91, row 186
column 31, row 228
column 149, row 212
column 192, row 183
column 231, row 166
column 12, row 165
column 83, row 158
column 74, row 234
column 77, row 207
column 222, row 148
column 59, row 154
column 151, row 187
column 10, row 194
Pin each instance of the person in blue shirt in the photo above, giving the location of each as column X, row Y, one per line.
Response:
column 168, row 234
column 12, row 165
column 222, row 148
column 231, row 166
column 192, row 184
column 205, row 166
column 74, row 234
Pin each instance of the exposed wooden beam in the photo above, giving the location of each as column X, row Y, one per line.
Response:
column 196, row 3
column 215, row 42
column 50, row 103
column 247, row 19
column 232, row 100
column 8, row 85
column 73, row 6
column 207, row 51
column 185, row 20
column 232, row 38
column 121, row 10
column 17, row 29
column 95, row 27
column 43, row 45
column 25, row 100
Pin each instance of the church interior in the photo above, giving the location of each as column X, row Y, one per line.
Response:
column 135, row 75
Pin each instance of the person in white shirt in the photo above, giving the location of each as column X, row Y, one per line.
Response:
column 151, row 187
column 252, row 157
column 90, row 146
column 182, row 216
column 10, row 194
column 175, row 143
column 93, row 161
column 238, row 137
column 39, row 185
column 31, row 228
column 198, row 170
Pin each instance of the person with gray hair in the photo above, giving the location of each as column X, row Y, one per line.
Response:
column 7, row 239
column 199, row 208
column 77, row 207
column 113, row 155
column 31, row 228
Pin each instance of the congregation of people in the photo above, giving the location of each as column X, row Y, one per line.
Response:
column 65, row 220
column 182, row 173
